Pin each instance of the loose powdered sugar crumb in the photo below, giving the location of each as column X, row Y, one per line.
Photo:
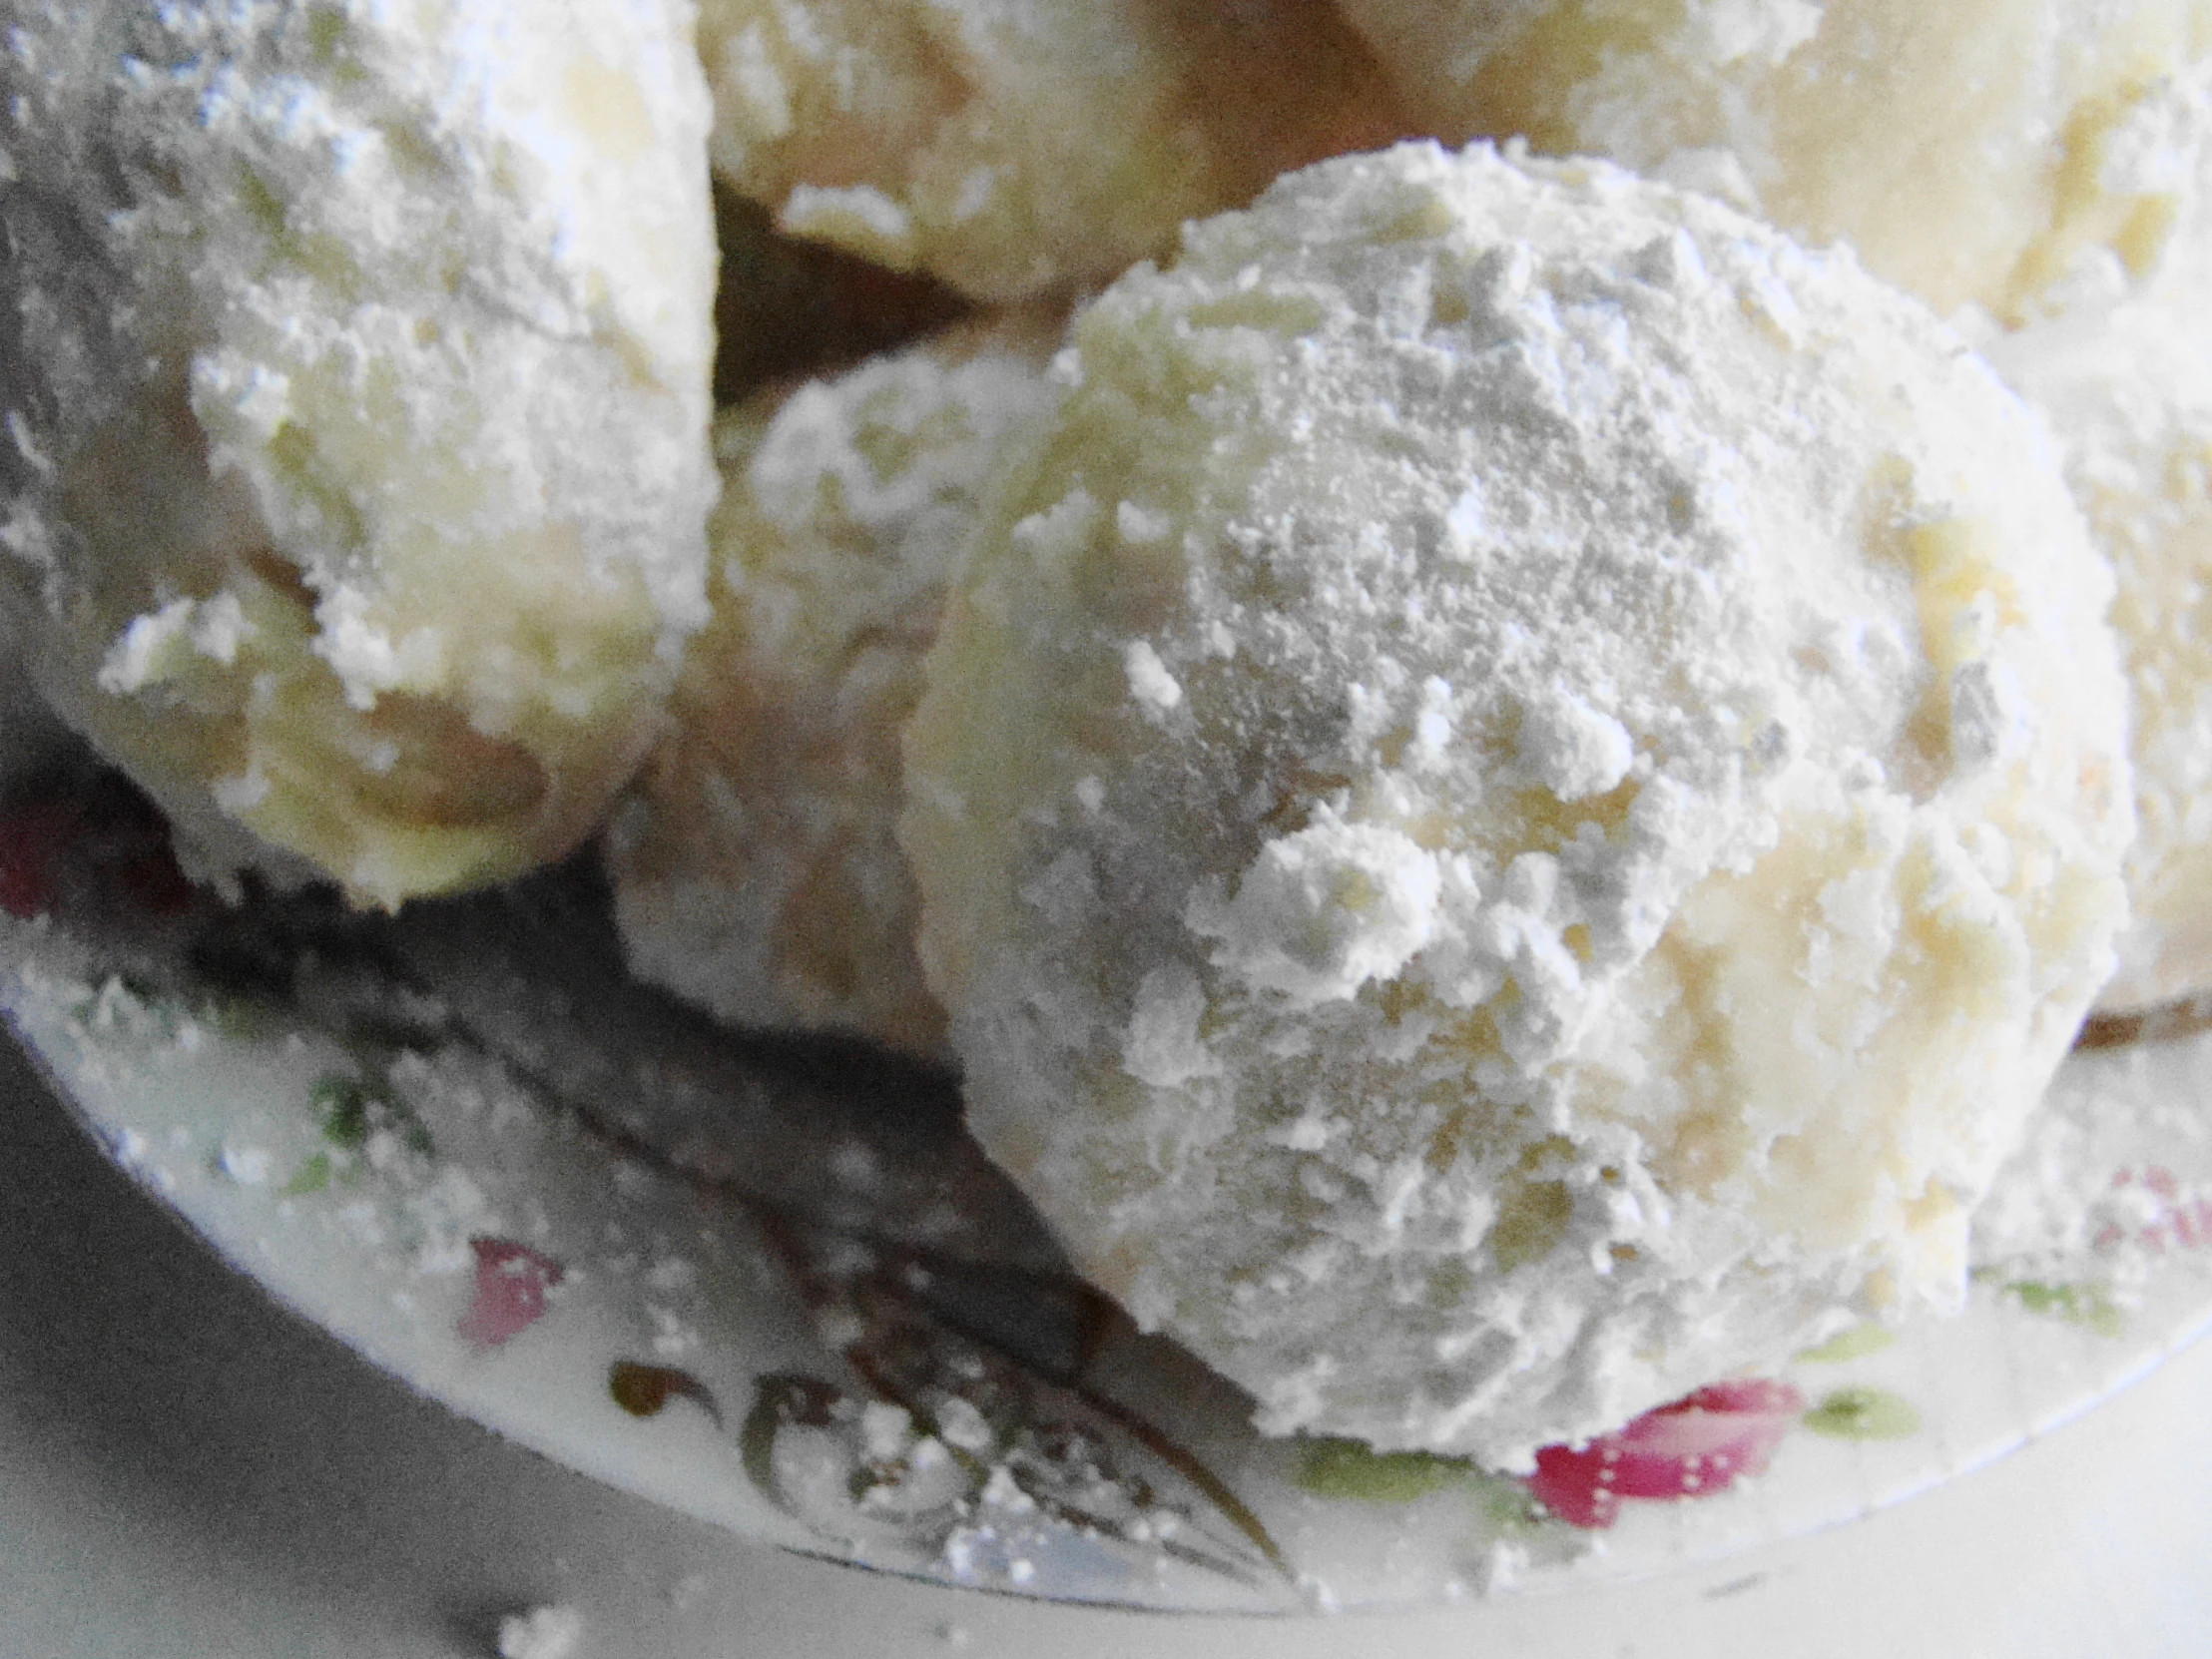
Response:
column 551, row 1632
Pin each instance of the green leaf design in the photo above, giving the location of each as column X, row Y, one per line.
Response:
column 1332, row 1466
column 1864, row 1415
column 341, row 1104
column 2088, row 1305
column 311, row 1177
column 1855, row 1344
column 350, row 1109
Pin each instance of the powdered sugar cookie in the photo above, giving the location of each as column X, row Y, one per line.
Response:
column 356, row 363
column 755, row 867
column 1971, row 152
column 2128, row 386
column 1520, row 800
column 1017, row 146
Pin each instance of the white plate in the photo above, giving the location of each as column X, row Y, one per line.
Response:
column 770, row 1284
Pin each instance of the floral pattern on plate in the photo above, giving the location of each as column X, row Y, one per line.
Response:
column 772, row 1283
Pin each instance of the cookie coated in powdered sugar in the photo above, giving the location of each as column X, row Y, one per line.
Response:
column 753, row 864
column 1021, row 147
column 355, row 367
column 1971, row 150
column 1521, row 794
column 2126, row 375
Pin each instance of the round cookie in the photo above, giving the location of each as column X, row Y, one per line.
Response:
column 356, row 363
column 1518, row 799
column 1971, row 150
column 754, row 868
column 2128, row 388
column 1013, row 147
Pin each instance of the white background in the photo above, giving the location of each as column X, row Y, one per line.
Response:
column 187, row 1471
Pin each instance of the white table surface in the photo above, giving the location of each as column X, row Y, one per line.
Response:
column 185, row 1471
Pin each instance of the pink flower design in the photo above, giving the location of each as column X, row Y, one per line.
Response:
column 2179, row 1219
column 1694, row 1447
column 110, row 836
column 512, row 1284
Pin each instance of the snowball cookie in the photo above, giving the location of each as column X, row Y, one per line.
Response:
column 1519, row 803
column 1971, row 150
column 2130, row 393
column 356, row 359
column 1015, row 145
column 755, row 866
